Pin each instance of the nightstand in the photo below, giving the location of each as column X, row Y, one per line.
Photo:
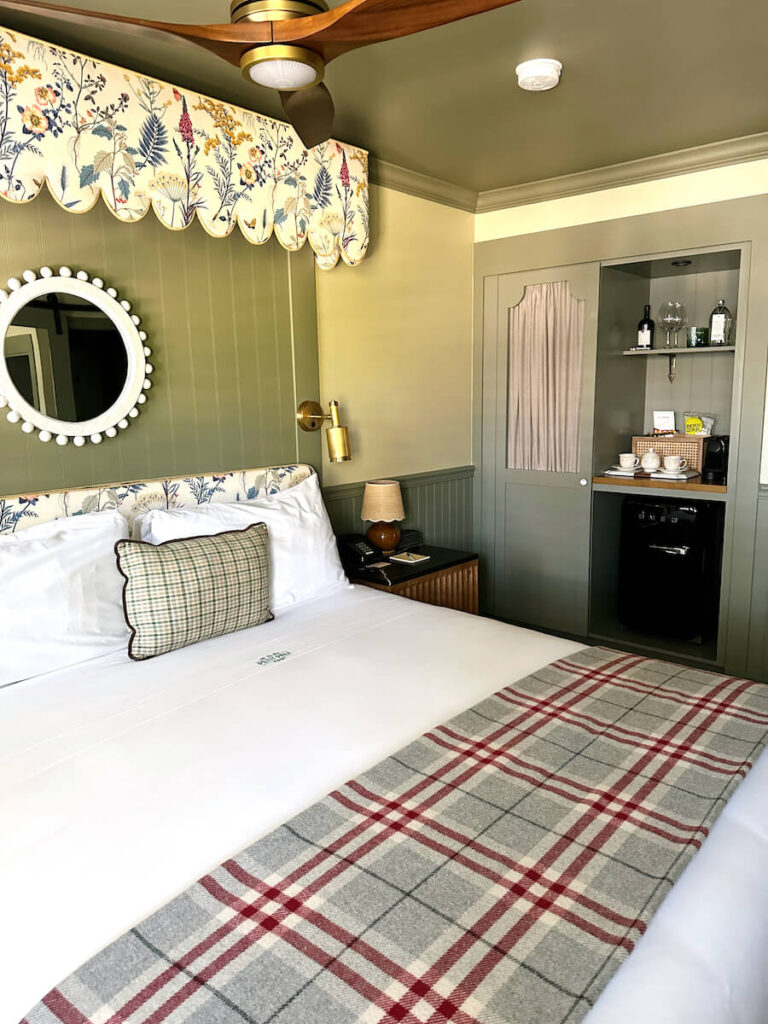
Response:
column 448, row 579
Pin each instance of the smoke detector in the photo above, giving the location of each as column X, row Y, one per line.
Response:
column 538, row 75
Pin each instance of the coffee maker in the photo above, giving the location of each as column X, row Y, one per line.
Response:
column 715, row 468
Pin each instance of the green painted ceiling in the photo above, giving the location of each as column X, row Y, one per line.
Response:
column 640, row 78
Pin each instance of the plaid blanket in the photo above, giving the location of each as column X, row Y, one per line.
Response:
column 496, row 871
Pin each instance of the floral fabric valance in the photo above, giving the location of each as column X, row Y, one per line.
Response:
column 89, row 128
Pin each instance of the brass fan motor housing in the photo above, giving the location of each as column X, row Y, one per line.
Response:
column 278, row 10
column 276, row 51
column 274, row 10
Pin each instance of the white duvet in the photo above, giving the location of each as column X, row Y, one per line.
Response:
column 121, row 783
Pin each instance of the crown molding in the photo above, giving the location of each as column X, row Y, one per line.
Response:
column 632, row 172
column 665, row 165
column 388, row 175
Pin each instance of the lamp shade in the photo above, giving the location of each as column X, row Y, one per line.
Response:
column 382, row 502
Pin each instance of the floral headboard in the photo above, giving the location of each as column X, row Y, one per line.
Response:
column 21, row 511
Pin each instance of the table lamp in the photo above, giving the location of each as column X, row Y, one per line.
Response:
column 383, row 508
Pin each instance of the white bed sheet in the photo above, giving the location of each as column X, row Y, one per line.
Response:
column 704, row 958
column 121, row 783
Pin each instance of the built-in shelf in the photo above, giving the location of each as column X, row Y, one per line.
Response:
column 625, row 485
column 628, row 391
column 703, row 351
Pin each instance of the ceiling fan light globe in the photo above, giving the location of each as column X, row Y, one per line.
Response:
column 285, row 68
column 283, row 75
column 539, row 74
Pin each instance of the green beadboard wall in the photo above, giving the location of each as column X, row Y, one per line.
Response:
column 233, row 334
column 438, row 503
column 757, row 661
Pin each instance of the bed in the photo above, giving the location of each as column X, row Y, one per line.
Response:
column 123, row 783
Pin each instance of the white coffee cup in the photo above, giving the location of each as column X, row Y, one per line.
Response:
column 675, row 464
column 628, row 460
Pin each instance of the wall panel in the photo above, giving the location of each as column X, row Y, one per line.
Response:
column 439, row 504
column 757, row 653
column 220, row 315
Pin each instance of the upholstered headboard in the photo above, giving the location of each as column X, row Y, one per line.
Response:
column 20, row 511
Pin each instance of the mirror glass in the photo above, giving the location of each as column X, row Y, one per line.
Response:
column 66, row 357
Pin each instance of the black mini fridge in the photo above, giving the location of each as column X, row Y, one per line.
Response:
column 669, row 568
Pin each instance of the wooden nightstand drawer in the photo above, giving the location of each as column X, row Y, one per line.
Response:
column 449, row 588
column 448, row 579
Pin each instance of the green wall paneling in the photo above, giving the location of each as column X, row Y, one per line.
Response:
column 439, row 504
column 702, row 384
column 620, row 383
column 233, row 334
column 757, row 655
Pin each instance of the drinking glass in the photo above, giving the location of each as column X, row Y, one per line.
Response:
column 672, row 316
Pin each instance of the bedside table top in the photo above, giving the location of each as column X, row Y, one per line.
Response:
column 399, row 572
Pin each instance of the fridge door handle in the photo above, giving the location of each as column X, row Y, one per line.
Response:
column 668, row 549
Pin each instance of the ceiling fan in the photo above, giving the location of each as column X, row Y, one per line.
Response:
column 286, row 44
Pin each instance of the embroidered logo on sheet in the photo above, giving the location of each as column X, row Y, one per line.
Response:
column 271, row 659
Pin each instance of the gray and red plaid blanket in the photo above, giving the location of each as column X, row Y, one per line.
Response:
column 497, row 870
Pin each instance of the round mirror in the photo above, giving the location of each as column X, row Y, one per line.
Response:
column 73, row 362
column 65, row 357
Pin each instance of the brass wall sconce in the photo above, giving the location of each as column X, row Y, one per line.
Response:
column 310, row 416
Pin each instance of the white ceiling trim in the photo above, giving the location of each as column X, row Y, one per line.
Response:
column 401, row 179
column 676, row 192
column 664, row 165
column 726, row 153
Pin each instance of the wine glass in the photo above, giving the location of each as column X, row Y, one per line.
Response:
column 672, row 316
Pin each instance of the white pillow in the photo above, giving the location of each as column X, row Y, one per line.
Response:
column 304, row 559
column 61, row 596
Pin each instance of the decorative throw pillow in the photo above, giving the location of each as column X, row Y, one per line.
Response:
column 184, row 591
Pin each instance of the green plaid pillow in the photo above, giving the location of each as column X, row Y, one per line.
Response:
column 184, row 591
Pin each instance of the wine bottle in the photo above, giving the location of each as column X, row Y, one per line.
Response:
column 721, row 325
column 645, row 330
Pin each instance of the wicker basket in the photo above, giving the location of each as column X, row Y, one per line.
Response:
column 687, row 447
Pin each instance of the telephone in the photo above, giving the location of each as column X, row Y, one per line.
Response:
column 356, row 551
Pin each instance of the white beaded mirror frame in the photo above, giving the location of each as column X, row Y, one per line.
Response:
column 32, row 286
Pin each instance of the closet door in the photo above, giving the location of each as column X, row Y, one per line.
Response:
column 539, row 346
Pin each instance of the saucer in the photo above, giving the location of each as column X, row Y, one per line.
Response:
column 671, row 472
column 627, row 469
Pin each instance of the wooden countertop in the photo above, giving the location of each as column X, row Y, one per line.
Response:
column 649, row 483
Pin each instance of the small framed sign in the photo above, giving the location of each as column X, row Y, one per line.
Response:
column 663, row 422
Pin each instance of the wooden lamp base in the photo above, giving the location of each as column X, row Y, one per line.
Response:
column 385, row 536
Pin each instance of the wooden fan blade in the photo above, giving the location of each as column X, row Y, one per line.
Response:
column 355, row 23
column 362, row 22
column 227, row 41
column 311, row 113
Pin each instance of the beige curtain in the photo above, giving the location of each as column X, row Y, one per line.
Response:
column 546, row 335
